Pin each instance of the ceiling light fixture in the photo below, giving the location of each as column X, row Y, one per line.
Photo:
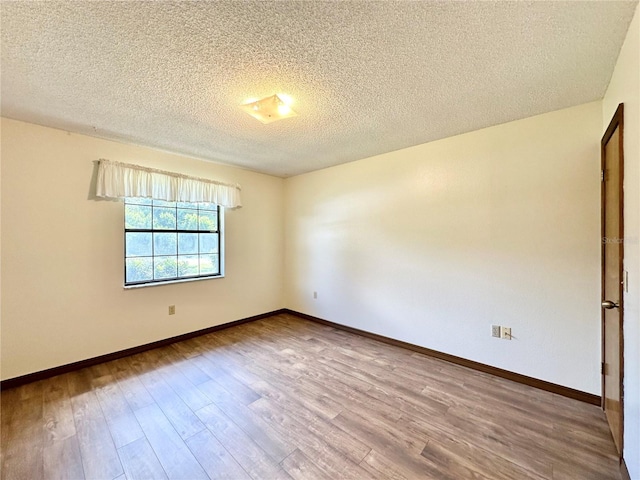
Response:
column 270, row 109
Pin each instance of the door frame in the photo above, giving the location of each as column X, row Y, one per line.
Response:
column 616, row 122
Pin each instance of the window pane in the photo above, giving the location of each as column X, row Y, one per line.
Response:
column 162, row 203
column 137, row 216
column 208, row 243
column 208, row 206
column 208, row 220
column 165, row 267
column 138, row 201
column 138, row 245
column 187, row 219
column 187, row 205
column 187, row 243
column 187, row 265
column 139, row 269
column 165, row 243
column 164, row 218
column 209, row 264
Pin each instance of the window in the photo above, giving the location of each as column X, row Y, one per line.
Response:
column 168, row 241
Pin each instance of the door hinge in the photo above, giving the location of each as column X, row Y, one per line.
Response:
column 602, row 175
column 602, row 368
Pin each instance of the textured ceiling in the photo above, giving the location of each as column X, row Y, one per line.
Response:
column 366, row 77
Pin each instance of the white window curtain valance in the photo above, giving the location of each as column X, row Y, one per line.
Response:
column 121, row 180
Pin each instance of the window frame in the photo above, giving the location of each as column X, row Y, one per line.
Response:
column 163, row 281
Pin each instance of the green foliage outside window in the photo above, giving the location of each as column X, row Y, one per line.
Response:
column 169, row 241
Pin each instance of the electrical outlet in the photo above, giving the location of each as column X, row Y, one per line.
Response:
column 172, row 309
column 506, row 333
column 315, row 295
column 495, row 331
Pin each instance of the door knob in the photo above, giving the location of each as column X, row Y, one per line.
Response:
column 608, row 304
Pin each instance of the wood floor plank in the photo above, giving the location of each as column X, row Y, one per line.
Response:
column 140, row 462
column 462, row 463
column 283, row 397
column 272, row 387
column 281, row 366
column 572, row 471
column 188, row 348
column 239, row 390
column 320, row 383
column 175, row 457
column 226, row 358
column 22, row 434
column 176, row 411
column 342, row 441
column 273, row 444
column 400, row 450
column 299, row 467
column 551, row 441
column 99, row 455
column 8, row 410
column 380, row 467
column 57, row 412
column 367, row 428
column 214, row 458
column 223, row 346
column 355, row 399
column 62, row 460
column 255, row 461
column 184, row 365
column 320, row 403
column 122, row 423
column 484, row 461
column 371, row 373
column 321, row 368
column 326, row 456
column 410, row 404
column 134, row 391
column 99, row 370
column 186, row 390
column 486, row 436
column 523, row 438
column 31, row 390
column 483, row 437
column 335, row 378
column 388, row 394
column 595, row 443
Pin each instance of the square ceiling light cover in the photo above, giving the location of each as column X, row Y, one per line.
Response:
column 269, row 109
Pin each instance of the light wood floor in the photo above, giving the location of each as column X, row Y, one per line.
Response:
column 288, row 398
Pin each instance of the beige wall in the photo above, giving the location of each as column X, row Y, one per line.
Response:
column 625, row 88
column 433, row 244
column 62, row 254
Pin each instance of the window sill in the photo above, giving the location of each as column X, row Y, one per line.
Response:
column 170, row 282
